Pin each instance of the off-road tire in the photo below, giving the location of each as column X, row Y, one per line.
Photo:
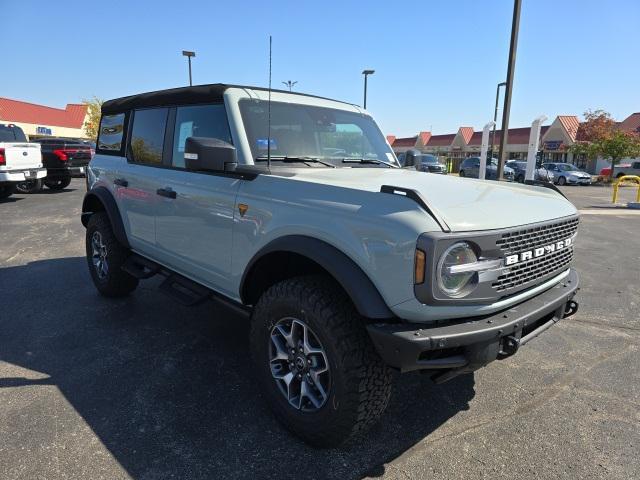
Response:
column 562, row 181
column 29, row 186
column 57, row 183
column 7, row 190
column 117, row 282
column 360, row 381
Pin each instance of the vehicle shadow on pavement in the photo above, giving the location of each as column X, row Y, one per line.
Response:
column 169, row 390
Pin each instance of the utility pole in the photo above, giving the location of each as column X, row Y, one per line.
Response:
column 189, row 54
column 290, row 84
column 495, row 117
column 515, row 26
column 366, row 73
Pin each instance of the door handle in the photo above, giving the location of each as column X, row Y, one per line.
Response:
column 121, row 182
column 166, row 192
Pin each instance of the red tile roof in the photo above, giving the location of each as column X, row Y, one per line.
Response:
column 22, row 112
column 631, row 123
column 570, row 124
column 391, row 139
column 516, row 136
column 441, row 140
column 405, row 142
column 467, row 133
column 424, row 137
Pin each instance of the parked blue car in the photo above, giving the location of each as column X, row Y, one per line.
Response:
column 470, row 167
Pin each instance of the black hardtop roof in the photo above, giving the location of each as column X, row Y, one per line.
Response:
column 182, row 96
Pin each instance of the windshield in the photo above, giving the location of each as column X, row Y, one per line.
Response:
column 566, row 167
column 316, row 132
column 428, row 159
column 11, row 134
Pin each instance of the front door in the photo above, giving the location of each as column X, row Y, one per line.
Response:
column 194, row 225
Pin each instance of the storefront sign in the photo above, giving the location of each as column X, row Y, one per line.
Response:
column 44, row 131
column 553, row 145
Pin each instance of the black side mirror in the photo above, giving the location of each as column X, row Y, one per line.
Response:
column 209, row 155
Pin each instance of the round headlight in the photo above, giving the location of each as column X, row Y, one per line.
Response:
column 452, row 283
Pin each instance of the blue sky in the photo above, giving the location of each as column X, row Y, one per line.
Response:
column 437, row 62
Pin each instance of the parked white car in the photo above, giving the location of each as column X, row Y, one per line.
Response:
column 20, row 161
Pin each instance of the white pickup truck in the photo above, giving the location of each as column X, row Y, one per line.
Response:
column 20, row 161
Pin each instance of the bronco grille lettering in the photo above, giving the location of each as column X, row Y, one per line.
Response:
column 536, row 253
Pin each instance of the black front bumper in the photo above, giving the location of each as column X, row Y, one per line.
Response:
column 454, row 347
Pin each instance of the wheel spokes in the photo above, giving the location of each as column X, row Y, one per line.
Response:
column 299, row 364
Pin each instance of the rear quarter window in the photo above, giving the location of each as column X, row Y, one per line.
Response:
column 111, row 133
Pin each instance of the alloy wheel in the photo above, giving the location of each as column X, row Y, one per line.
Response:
column 299, row 364
column 99, row 255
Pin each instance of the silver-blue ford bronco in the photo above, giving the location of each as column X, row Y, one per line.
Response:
column 293, row 210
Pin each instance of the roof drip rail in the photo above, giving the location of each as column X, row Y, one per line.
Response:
column 419, row 199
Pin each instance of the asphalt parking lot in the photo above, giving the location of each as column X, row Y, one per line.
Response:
column 144, row 388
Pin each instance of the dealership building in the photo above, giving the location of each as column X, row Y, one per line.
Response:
column 42, row 121
column 555, row 140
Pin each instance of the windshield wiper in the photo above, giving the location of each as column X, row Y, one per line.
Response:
column 367, row 161
column 283, row 158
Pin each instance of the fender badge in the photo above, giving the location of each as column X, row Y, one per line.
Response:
column 242, row 208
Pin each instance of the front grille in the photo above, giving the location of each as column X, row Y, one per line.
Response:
column 538, row 268
column 527, row 239
column 522, row 274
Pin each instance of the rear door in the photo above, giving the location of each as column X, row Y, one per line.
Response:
column 137, row 181
column 194, row 227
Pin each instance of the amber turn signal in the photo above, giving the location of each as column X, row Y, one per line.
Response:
column 420, row 262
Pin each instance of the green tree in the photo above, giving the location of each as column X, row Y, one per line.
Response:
column 599, row 135
column 94, row 111
column 617, row 146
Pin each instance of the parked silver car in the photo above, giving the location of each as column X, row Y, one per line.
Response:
column 566, row 173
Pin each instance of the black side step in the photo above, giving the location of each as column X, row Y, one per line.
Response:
column 185, row 291
column 140, row 267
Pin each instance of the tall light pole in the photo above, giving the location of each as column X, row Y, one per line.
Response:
column 513, row 46
column 189, row 54
column 495, row 116
column 366, row 73
column 290, row 84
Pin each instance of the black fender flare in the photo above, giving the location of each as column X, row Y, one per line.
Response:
column 363, row 293
column 105, row 197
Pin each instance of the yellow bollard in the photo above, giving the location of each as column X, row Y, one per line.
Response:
column 624, row 178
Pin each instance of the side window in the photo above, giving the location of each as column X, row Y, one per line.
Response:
column 147, row 136
column 635, row 165
column 110, row 133
column 198, row 121
column 476, row 162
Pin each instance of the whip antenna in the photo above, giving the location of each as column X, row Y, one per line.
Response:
column 269, row 113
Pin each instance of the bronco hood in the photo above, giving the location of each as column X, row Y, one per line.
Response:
column 465, row 204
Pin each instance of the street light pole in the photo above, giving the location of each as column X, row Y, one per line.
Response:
column 515, row 26
column 189, row 54
column 495, row 116
column 290, row 84
column 366, row 73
